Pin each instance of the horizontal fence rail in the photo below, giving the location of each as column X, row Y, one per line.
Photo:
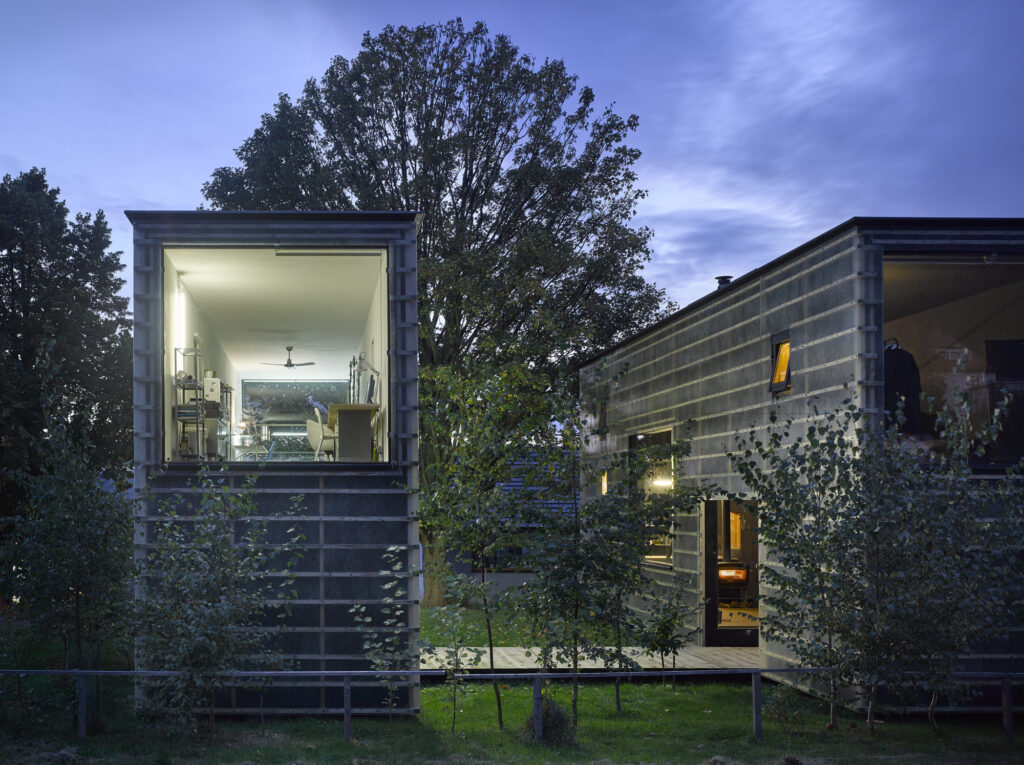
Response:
column 1005, row 679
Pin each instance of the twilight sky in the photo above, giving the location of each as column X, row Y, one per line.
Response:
column 762, row 123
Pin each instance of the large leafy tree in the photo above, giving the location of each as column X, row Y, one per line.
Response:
column 526, row 250
column 527, row 191
column 59, row 288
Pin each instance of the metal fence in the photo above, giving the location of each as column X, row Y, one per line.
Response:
column 1005, row 679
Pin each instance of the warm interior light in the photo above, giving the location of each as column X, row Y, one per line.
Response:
column 604, row 482
column 781, row 363
column 732, row 574
column 179, row 317
column 662, row 483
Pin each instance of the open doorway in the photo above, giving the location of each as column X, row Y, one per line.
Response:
column 731, row 608
column 275, row 354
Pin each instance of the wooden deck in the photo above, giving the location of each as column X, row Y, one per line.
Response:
column 516, row 659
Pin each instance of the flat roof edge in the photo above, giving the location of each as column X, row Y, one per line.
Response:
column 854, row 223
column 276, row 216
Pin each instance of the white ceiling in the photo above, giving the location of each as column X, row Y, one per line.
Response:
column 257, row 302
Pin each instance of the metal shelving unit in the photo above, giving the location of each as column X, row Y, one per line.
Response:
column 202, row 410
column 189, row 410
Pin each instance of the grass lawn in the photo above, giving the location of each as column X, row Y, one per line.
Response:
column 508, row 629
column 691, row 723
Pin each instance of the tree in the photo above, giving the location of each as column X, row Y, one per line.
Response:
column 69, row 547
column 454, row 655
column 489, row 420
column 881, row 561
column 59, row 285
column 201, row 602
column 800, row 492
column 526, row 198
column 620, row 525
column 385, row 640
column 588, row 555
column 525, row 252
column 668, row 628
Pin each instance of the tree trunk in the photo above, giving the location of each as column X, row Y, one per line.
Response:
column 871, row 709
column 618, row 680
column 575, row 681
column 833, row 693
column 931, row 710
column 434, row 559
column 490, row 648
column 455, row 697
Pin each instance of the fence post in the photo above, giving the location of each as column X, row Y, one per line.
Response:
column 755, row 687
column 348, row 709
column 81, row 705
column 538, row 715
column 1007, row 708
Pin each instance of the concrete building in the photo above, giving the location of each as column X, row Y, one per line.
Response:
column 284, row 344
column 814, row 322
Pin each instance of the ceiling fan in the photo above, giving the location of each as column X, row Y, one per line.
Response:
column 289, row 363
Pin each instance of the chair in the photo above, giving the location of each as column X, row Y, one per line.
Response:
column 330, row 434
column 323, row 440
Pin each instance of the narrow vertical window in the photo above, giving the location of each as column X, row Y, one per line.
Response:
column 780, row 379
column 658, row 481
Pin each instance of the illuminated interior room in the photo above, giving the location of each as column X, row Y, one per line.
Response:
column 957, row 321
column 275, row 354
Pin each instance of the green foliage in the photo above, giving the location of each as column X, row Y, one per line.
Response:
column 525, row 252
column 885, row 559
column 588, row 556
column 69, row 549
column 59, row 288
column 385, row 639
column 65, row 363
column 201, row 607
column 787, row 708
column 509, row 629
column 668, row 629
column 68, row 558
column 455, row 652
column 483, row 427
column 479, row 422
column 527, row 191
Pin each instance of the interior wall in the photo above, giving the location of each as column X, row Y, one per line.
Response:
column 938, row 338
column 214, row 356
column 374, row 344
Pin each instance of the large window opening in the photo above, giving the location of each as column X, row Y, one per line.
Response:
column 955, row 323
column 275, row 354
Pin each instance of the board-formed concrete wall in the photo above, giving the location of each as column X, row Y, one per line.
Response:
column 350, row 515
column 706, row 371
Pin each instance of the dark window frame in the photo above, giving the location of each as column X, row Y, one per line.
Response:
column 778, row 340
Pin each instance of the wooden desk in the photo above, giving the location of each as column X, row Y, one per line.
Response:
column 353, row 424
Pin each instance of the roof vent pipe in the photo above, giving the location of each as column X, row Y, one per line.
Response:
column 723, row 281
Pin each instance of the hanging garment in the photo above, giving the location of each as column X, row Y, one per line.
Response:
column 903, row 383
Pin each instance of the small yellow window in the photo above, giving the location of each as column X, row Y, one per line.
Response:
column 780, row 362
